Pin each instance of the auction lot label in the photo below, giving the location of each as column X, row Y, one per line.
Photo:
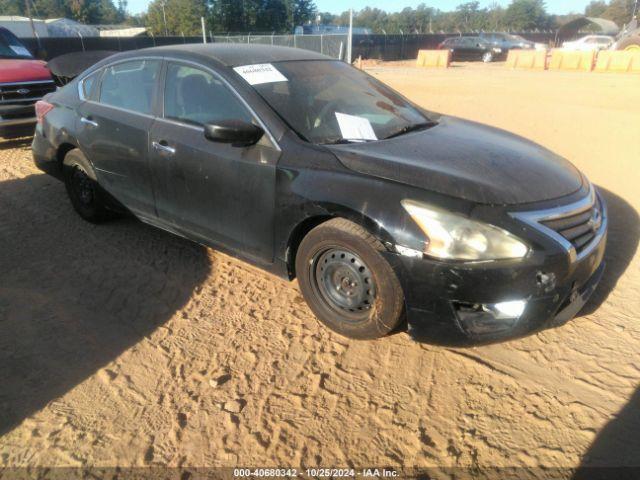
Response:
column 260, row 73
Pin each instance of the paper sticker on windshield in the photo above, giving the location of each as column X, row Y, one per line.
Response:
column 260, row 73
column 20, row 51
column 355, row 128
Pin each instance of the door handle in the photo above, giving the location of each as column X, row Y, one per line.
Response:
column 160, row 147
column 89, row 122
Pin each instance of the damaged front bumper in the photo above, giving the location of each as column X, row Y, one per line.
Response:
column 449, row 302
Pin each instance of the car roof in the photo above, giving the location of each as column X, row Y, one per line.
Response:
column 233, row 54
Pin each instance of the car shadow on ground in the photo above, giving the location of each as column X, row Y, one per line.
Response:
column 622, row 243
column 74, row 296
column 616, row 447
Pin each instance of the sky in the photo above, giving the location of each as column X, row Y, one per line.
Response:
column 339, row 6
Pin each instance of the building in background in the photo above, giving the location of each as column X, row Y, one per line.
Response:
column 21, row 27
column 64, row 27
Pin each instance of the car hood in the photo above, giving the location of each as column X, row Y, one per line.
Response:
column 12, row 71
column 466, row 160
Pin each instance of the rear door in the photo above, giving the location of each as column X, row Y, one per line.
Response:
column 217, row 192
column 466, row 48
column 114, row 131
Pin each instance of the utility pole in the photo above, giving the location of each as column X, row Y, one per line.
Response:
column 204, row 35
column 33, row 27
column 350, row 39
column 164, row 17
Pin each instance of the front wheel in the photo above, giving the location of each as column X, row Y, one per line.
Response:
column 346, row 281
column 487, row 57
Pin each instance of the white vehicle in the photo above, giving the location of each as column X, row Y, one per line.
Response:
column 590, row 42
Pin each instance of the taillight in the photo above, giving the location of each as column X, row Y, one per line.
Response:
column 42, row 108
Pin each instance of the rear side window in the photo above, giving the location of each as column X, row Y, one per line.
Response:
column 194, row 96
column 130, row 85
column 88, row 84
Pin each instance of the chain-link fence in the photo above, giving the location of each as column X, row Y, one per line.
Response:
column 334, row 46
column 380, row 47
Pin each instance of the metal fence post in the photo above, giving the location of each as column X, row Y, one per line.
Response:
column 321, row 46
column 81, row 41
column 350, row 37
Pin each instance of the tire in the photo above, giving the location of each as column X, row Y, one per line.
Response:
column 631, row 44
column 82, row 187
column 487, row 57
column 347, row 283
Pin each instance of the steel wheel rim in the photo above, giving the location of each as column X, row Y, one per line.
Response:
column 487, row 57
column 82, row 186
column 343, row 282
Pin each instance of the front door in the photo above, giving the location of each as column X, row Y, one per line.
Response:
column 216, row 192
column 114, row 132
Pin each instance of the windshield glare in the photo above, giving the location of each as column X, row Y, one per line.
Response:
column 10, row 47
column 330, row 102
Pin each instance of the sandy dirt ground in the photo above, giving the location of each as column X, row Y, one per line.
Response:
column 124, row 345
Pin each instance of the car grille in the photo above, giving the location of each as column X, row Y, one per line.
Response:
column 578, row 228
column 24, row 93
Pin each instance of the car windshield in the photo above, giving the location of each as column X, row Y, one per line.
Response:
column 10, row 47
column 328, row 102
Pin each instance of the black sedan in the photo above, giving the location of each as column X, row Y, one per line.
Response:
column 311, row 169
column 473, row 49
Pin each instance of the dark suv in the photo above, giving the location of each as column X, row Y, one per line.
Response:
column 472, row 49
column 23, row 81
column 507, row 41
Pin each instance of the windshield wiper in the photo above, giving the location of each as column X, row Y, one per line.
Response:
column 411, row 128
column 343, row 141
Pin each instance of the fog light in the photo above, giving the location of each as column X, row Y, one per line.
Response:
column 511, row 309
column 489, row 318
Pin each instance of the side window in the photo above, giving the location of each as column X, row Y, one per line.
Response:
column 130, row 85
column 195, row 96
column 88, row 84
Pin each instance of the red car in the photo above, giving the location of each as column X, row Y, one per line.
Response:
column 23, row 81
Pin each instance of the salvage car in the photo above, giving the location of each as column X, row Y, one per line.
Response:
column 472, row 49
column 589, row 43
column 23, row 81
column 300, row 164
column 508, row 41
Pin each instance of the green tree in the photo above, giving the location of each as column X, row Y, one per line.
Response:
column 302, row 11
column 620, row 11
column 182, row 17
column 524, row 15
column 596, row 8
column 272, row 16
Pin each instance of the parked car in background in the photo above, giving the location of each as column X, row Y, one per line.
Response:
column 589, row 43
column 507, row 41
column 312, row 169
column 472, row 49
column 23, row 81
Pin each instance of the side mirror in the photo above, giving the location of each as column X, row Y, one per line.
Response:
column 235, row 132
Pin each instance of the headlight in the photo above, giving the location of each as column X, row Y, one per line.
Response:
column 454, row 237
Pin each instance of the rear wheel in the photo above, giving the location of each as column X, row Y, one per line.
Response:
column 346, row 281
column 83, row 189
column 630, row 44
